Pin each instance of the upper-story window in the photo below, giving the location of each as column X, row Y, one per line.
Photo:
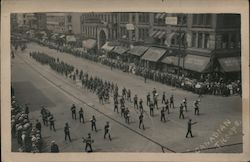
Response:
column 202, row 20
column 124, row 17
column 69, row 18
column 143, row 18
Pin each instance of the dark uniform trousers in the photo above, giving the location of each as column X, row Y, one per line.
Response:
column 141, row 124
column 67, row 134
column 189, row 132
column 196, row 111
column 81, row 118
column 73, row 115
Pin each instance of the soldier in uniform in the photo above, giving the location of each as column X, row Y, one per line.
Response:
column 73, row 111
column 127, row 115
column 140, row 105
column 171, row 101
column 141, row 121
column 136, row 101
column 163, row 115
column 148, row 99
column 167, row 106
column 107, row 129
column 151, row 108
column 81, row 117
column 196, row 107
column 129, row 95
column 39, row 126
column 155, row 101
column 163, row 98
column 88, row 142
column 43, row 113
column 52, row 122
column 93, row 123
column 154, row 92
column 67, row 132
column 185, row 103
column 116, row 105
column 181, row 115
column 189, row 131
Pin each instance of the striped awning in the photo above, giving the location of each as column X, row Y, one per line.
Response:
column 107, row 47
column 152, row 33
column 160, row 15
column 154, row 54
column 161, row 35
column 119, row 50
column 230, row 64
column 138, row 50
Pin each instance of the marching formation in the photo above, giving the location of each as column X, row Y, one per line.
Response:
column 123, row 102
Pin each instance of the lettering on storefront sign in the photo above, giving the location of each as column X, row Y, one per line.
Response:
column 171, row 20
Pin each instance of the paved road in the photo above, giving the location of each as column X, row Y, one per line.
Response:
column 58, row 93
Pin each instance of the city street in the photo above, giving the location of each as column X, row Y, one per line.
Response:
column 38, row 85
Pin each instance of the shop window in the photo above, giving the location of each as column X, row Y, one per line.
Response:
column 194, row 39
column 206, row 42
column 199, row 40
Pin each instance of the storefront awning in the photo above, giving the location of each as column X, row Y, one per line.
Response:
column 89, row 43
column 230, row 64
column 173, row 60
column 62, row 36
column 138, row 50
column 196, row 63
column 154, row 54
column 120, row 50
column 70, row 38
column 152, row 33
column 107, row 47
column 160, row 15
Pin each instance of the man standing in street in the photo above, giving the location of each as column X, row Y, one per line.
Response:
column 163, row 115
column 167, row 106
column 73, row 111
column 181, row 115
column 52, row 122
column 93, row 123
column 196, row 108
column 107, row 130
column 171, row 101
column 136, row 101
column 141, row 121
column 54, row 147
column 163, row 98
column 116, row 105
column 88, row 142
column 189, row 131
column 148, row 98
column 140, row 105
column 151, row 109
column 81, row 118
column 67, row 132
column 185, row 103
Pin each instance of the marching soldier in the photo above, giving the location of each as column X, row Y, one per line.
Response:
column 81, row 118
column 163, row 97
column 155, row 101
column 107, row 130
column 140, row 105
column 27, row 111
column 163, row 115
column 171, row 101
column 189, row 131
column 129, row 95
column 73, row 111
column 185, row 103
column 154, row 92
column 148, row 99
column 116, row 105
column 52, row 122
column 151, row 109
column 44, row 115
column 93, row 123
column 181, row 115
column 123, row 110
column 136, row 101
column 127, row 115
column 67, row 132
column 88, row 142
column 167, row 106
column 141, row 121
column 196, row 107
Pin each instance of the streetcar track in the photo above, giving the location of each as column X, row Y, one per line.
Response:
column 118, row 122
